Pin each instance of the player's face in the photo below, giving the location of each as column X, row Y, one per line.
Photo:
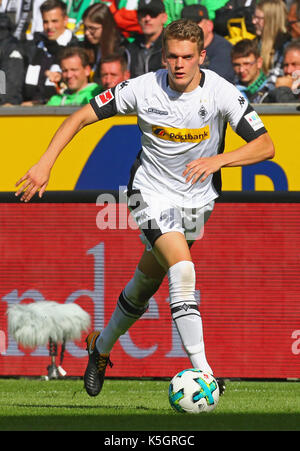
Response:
column 247, row 68
column 54, row 23
column 182, row 59
column 74, row 74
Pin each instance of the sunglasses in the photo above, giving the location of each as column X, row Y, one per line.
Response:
column 146, row 12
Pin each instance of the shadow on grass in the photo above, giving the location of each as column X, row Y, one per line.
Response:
column 152, row 422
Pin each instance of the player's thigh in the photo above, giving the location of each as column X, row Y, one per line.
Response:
column 169, row 249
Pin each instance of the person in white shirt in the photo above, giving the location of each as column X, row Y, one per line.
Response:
column 182, row 113
column 42, row 54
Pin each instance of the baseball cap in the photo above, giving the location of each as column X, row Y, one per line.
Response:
column 152, row 6
column 194, row 12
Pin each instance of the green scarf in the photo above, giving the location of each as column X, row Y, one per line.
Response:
column 254, row 87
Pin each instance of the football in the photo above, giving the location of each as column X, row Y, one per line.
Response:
column 193, row 391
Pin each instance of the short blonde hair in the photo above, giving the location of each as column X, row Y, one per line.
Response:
column 184, row 30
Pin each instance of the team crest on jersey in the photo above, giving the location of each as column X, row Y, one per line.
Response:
column 192, row 135
column 202, row 112
column 104, row 97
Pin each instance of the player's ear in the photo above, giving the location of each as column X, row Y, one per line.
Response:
column 202, row 56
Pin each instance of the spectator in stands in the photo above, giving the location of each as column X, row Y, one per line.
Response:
column 11, row 63
column 75, row 12
column 75, row 67
column 233, row 9
column 250, row 78
column 294, row 19
column 28, row 19
column 218, row 49
column 125, row 16
column 102, row 38
column 174, row 8
column 270, row 21
column 145, row 52
column 288, row 86
column 43, row 52
column 113, row 70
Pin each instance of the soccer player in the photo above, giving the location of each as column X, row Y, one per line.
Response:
column 182, row 112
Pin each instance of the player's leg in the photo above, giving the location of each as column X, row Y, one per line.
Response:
column 173, row 252
column 132, row 303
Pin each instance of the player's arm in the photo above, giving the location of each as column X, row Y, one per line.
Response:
column 260, row 149
column 248, row 125
column 37, row 178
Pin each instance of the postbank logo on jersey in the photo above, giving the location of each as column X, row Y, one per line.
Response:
column 182, row 135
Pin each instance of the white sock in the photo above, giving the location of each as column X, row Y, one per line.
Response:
column 185, row 313
column 132, row 304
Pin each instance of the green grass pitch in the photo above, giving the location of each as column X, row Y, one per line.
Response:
column 142, row 405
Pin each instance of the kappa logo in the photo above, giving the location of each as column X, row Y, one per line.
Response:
column 156, row 111
column 123, row 84
column 241, row 100
column 181, row 135
column 104, row 97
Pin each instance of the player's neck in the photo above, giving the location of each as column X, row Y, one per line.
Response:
column 189, row 86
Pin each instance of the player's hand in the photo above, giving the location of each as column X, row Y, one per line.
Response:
column 36, row 179
column 202, row 168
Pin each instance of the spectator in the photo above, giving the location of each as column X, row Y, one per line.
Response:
column 174, row 8
column 102, row 37
column 233, row 9
column 145, row 52
column 294, row 19
column 75, row 67
column 75, row 11
column 11, row 63
column 43, row 53
column 288, row 87
column 270, row 20
column 125, row 16
column 113, row 70
column 28, row 19
column 250, row 78
column 218, row 49
column 212, row 6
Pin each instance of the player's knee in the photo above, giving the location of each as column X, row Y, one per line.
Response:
column 182, row 280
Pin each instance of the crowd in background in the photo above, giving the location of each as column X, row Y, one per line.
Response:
column 55, row 52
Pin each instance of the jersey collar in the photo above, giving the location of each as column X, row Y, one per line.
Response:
column 202, row 79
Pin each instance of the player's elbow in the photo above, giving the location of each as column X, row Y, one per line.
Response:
column 271, row 151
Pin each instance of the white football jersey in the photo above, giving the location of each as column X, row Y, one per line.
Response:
column 178, row 128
